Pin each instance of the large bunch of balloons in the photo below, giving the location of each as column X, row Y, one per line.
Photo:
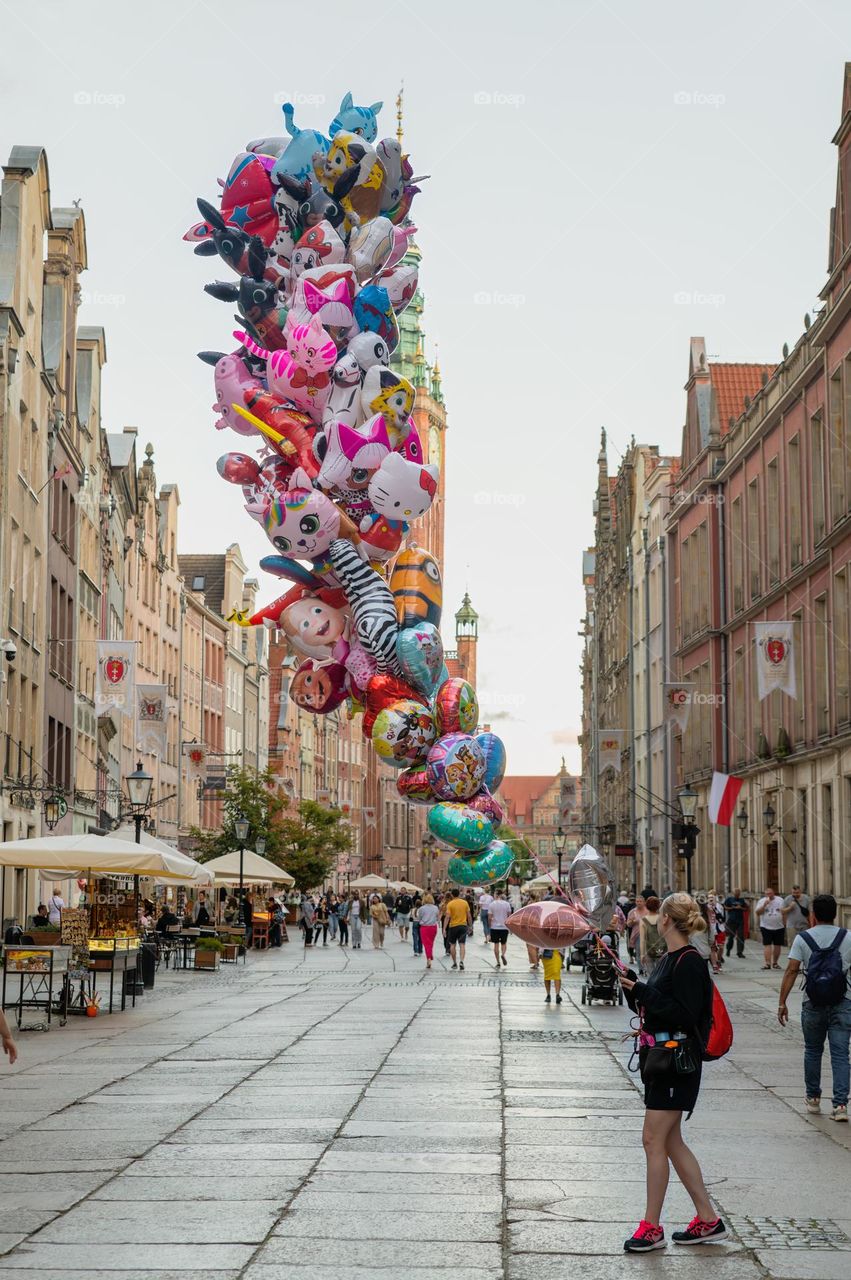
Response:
column 316, row 228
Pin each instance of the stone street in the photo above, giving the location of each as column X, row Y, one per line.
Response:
column 337, row 1113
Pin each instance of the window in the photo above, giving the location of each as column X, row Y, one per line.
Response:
column 798, row 715
column 739, row 713
column 793, row 499
column 817, row 438
column 737, row 555
column 840, row 633
column 837, row 448
column 754, row 556
column 773, row 521
column 198, row 582
column 821, row 667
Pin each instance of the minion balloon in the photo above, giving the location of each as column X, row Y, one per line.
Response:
column 417, row 588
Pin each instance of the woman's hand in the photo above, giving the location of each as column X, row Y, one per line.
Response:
column 626, row 983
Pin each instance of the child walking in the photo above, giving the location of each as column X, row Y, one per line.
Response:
column 552, row 973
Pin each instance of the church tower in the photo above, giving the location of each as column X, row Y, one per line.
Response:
column 467, row 638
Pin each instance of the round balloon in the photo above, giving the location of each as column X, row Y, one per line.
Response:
column 590, row 883
column 493, row 749
column 455, row 767
column 483, row 802
column 382, row 690
column 549, row 924
column 420, row 653
column 413, row 784
column 456, row 707
column 492, row 864
column 403, row 732
column 461, row 825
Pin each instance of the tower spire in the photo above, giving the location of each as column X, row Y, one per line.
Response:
column 399, row 98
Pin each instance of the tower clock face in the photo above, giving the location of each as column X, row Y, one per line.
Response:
column 434, row 451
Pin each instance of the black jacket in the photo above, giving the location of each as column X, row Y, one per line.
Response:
column 677, row 996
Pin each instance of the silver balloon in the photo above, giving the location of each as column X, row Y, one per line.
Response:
column 590, row 883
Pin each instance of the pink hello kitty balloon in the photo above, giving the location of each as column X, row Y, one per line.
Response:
column 400, row 492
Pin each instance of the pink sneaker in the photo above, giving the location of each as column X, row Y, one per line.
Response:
column 700, row 1232
column 646, row 1237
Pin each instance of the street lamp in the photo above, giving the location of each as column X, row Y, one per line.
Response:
column 742, row 819
column 559, row 845
column 53, row 810
column 241, row 828
column 139, row 784
column 688, row 806
column 769, row 815
column 260, row 846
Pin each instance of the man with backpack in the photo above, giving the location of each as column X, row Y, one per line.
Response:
column 824, row 953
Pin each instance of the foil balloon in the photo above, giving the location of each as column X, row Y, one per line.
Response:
column 455, row 767
column 549, row 924
column 382, row 690
column 456, row 707
column 417, row 588
column 319, row 687
column 493, row 749
column 483, row 802
column 370, row 246
column 420, row 653
column 413, row 785
column 461, row 825
column 403, row 732
column 591, row 884
column 492, row 864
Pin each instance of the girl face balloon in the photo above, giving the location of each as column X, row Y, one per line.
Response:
column 456, row 707
column 420, row 653
column 403, row 733
column 455, row 767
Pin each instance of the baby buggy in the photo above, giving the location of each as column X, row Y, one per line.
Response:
column 601, row 976
column 576, row 955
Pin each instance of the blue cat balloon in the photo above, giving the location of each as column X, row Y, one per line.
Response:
column 297, row 158
column 352, row 119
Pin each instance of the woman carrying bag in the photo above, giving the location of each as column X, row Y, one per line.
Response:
column 675, row 1003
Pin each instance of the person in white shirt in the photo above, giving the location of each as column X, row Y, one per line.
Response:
column 55, row 903
column 769, row 913
column 500, row 910
column 485, row 904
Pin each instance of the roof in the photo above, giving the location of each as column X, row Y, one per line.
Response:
column 210, row 569
column 731, row 383
column 520, row 792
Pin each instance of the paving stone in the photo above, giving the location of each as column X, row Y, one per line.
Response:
column 695, row 1263
column 178, row 1260
column 275, row 1186
column 799, row 1264
column 232, row 1221
column 381, row 1254
column 421, row 1269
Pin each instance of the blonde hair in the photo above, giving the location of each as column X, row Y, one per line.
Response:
column 683, row 913
column 428, row 900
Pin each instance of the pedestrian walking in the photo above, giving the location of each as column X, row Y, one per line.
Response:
column 246, row 910
column 404, row 906
column 333, row 916
column 735, row 906
column 321, row 922
column 823, row 951
column 356, row 918
column 7, row 1040
column 499, row 913
column 344, row 908
column 459, row 920
column 769, row 913
column 444, row 921
column 715, row 917
column 55, row 905
column 552, row 973
column 380, row 920
column 633, row 923
column 427, row 919
column 676, row 1008
column 306, row 918
column 416, row 937
column 389, row 900
column 651, row 944
column 796, row 910
column 485, row 904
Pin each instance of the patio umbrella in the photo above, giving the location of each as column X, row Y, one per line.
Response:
column 370, row 882
column 62, row 856
column 197, row 874
column 404, row 886
column 255, row 870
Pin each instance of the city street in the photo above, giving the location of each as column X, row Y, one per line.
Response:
column 347, row 1114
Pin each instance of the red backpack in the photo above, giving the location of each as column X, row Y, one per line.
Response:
column 719, row 1040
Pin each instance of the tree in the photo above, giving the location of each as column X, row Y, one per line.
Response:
column 250, row 795
column 525, row 866
column 312, row 843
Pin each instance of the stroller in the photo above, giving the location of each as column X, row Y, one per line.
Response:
column 601, row 976
column 576, row 955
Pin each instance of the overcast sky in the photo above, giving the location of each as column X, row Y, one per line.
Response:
column 608, row 178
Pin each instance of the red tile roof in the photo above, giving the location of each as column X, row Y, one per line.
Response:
column 731, row 383
column 518, row 794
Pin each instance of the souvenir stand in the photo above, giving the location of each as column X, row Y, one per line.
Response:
column 36, row 969
column 113, row 935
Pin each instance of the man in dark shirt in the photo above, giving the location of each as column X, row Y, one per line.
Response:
column 735, row 906
column 167, row 919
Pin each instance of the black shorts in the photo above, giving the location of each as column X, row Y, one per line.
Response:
column 773, row 937
column 678, row 1093
column 499, row 935
column 456, row 933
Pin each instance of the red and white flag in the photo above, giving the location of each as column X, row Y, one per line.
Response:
column 723, row 795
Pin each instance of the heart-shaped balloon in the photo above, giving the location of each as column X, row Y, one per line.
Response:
column 493, row 749
column 420, row 653
column 456, row 707
column 461, row 825
column 413, row 785
column 381, row 691
column 492, row 864
column 403, row 732
column 483, row 802
column 455, row 767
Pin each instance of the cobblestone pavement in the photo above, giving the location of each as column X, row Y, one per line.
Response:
column 343, row 1114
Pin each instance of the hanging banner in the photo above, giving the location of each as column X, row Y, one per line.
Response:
column 196, row 756
column 609, row 751
column 678, row 699
column 775, row 660
column 370, row 813
column 151, row 717
column 115, row 686
column 323, row 796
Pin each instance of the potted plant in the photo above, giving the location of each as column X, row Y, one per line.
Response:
column 230, row 951
column 207, row 952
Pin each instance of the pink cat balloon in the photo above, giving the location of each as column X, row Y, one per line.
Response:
column 301, row 372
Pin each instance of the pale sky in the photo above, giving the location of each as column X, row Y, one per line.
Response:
column 608, row 178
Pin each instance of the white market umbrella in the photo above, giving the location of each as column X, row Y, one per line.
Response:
column 370, row 882
column 542, row 881
column 104, row 855
column 405, row 886
column 196, row 873
column 255, row 870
